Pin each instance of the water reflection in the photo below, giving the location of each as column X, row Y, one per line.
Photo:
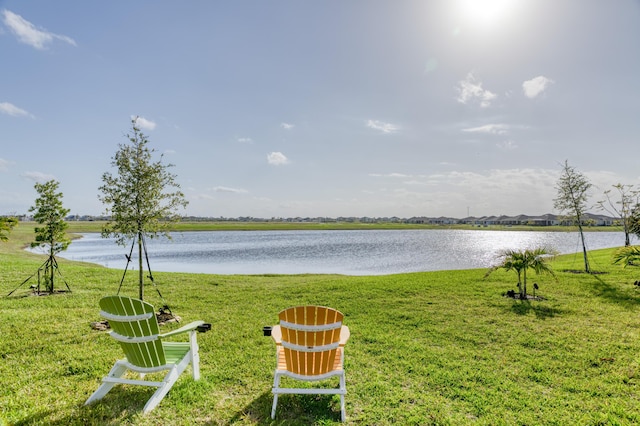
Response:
column 370, row 252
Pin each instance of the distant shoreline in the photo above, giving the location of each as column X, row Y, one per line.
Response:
column 96, row 226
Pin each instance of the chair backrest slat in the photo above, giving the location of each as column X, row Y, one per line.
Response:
column 126, row 319
column 318, row 326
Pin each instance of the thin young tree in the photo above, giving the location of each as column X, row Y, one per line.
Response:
column 520, row 261
column 6, row 225
column 142, row 197
column 634, row 221
column 622, row 207
column 630, row 255
column 50, row 214
column 573, row 193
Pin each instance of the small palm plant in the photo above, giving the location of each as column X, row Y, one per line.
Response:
column 522, row 260
column 6, row 225
column 628, row 255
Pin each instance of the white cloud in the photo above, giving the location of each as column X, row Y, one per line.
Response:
column 10, row 109
column 532, row 88
column 143, row 123
column 287, row 126
column 455, row 193
column 415, row 182
column 493, row 129
column 201, row 196
column 382, row 126
column 244, row 140
column 27, row 33
column 477, row 190
column 38, row 176
column 277, row 159
column 507, row 145
column 470, row 89
column 4, row 165
column 232, row 190
column 393, row 175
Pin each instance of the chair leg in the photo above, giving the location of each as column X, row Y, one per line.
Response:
column 171, row 377
column 195, row 366
column 276, row 386
column 195, row 355
column 343, row 387
column 117, row 371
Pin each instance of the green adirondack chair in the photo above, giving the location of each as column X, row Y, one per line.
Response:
column 134, row 325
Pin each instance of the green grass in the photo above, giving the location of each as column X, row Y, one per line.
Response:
column 441, row 348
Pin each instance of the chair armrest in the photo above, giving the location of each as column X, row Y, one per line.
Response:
column 276, row 334
column 345, row 333
column 189, row 327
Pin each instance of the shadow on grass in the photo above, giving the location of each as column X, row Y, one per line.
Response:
column 613, row 293
column 124, row 406
column 117, row 407
column 541, row 311
column 293, row 409
column 72, row 420
column 257, row 411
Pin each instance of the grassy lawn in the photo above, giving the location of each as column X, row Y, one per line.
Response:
column 442, row 348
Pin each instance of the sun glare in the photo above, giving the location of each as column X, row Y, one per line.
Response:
column 485, row 12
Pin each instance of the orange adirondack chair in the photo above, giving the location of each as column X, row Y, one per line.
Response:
column 310, row 347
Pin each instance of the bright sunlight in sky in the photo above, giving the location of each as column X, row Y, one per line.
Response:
column 302, row 109
column 486, row 12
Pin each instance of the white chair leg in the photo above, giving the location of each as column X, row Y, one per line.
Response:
column 343, row 387
column 156, row 398
column 117, row 371
column 276, row 386
column 167, row 383
column 195, row 355
column 195, row 366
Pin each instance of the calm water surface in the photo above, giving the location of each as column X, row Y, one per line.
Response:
column 368, row 252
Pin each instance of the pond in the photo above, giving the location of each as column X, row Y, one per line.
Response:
column 359, row 252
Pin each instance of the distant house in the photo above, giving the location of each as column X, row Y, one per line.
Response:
column 544, row 220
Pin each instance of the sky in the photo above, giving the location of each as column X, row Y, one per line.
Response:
column 332, row 108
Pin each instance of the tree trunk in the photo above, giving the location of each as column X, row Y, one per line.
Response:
column 584, row 249
column 627, row 241
column 51, row 276
column 140, row 272
column 519, row 285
